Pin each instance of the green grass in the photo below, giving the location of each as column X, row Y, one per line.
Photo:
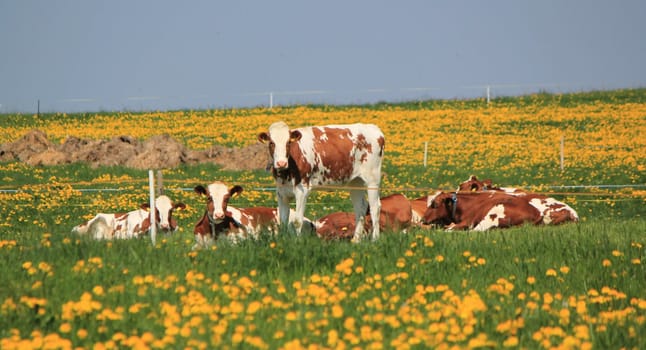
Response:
column 585, row 277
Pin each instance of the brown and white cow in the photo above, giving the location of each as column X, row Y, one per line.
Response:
column 349, row 155
column 132, row 224
column 395, row 215
column 479, row 211
column 553, row 212
column 223, row 220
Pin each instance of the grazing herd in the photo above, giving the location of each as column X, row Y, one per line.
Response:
column 349, row 156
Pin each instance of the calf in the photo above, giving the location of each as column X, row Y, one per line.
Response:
column 395, row 215
column 132, row 224
column 479, row 211
column 313, row 156
column 221, row 219
column 552, row 211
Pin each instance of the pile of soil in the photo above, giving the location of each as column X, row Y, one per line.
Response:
column 158, row 152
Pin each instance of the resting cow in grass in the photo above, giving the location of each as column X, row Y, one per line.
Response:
column 132, row 224
column 553, row 212
column 395, row 215
column 349, row 155
column 479, row 211
column 222, row 219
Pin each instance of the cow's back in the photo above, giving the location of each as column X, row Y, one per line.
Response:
column 484, row 210
column 337, row 225
column 336, row 154
column 396, row 212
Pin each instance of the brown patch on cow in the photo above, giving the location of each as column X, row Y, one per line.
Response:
column 300, row 169
column 363, row 145
column 334, row 152
column 382, row 144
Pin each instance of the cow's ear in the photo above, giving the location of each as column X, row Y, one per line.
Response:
column 263, row 137
column 294, row 135
column 199, row 189
column 179, row 205
column 237, row 189
column 487, row 183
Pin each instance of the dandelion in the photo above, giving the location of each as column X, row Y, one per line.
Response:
column 531, row 280
column 510, row 342
column 98, row 290
column 337, row 311
column 81, row 333
column 291, row 316
column 550, row 272
column 225, row 278
column 606, row 263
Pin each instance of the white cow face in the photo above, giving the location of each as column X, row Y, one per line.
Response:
column 164, row 213
column 218, row 195
column 278, row 138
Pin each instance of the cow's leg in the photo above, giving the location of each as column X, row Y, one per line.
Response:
column 360, row 207
column 283, row 205
column 301, row 193
column 375, row 210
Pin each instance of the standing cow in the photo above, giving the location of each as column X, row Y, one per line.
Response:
column 132, row 224
column 553, row 212
column 307, row 157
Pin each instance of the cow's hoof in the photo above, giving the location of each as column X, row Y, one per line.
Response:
column 355, row 239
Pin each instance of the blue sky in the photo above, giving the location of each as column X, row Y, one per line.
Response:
column 87, row 55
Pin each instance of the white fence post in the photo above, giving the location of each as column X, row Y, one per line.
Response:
column 271, row 100
column 153, row 220
column 425, row 152
column 488, row 94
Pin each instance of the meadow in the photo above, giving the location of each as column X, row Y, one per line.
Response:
column 575, row 286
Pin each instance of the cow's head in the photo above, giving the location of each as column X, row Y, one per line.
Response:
column 473, row 184
column 278, row 139
column 439, row 209
column 218, row 195
column 164, row 213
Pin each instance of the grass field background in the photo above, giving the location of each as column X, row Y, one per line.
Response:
column 572, row 286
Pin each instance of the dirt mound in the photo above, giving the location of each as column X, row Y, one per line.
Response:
column 158, row 152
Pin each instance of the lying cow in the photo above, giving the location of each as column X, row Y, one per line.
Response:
column 131, row 224
column 479, row 211
column 221, row 219
column 553, row 212
column 395, row 215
